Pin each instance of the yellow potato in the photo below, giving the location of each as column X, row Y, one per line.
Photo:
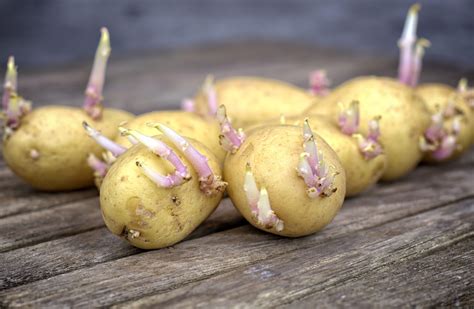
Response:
column 404, row 118
column 187, row 124
column 50, row 148
column 437, row 97
column 250, row 100
column 361, row 173
column 113, row 117
column 273, row 153
column 149, row 216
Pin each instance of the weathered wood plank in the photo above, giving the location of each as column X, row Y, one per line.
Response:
column 163, row 270
column 314, row 269
column 425, row 195
column 16, row 197
column 86, row 249
column 438, row 277
column 31, row 228
column 167, row 76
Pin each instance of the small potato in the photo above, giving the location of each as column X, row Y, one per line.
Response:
column 361, row 172
column 271, row 156
column 404, row 118
column 440, row 98
column 250, row 100
column 50, row 149
column 147, row 215
column 188, row 124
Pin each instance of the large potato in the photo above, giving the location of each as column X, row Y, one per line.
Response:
column 273, row 153
column 50, row 148
column 437, row 98
column 206, row 131
column 146, row 215
column 250, row 100
column 404, row 118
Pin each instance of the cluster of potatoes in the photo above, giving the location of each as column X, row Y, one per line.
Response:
column 286, row 157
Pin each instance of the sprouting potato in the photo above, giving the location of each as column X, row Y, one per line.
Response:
column 160, row 189
column 361, row 156
column 47, row 146
column 452, row 129
column 205, row 130
column 283, row 179
column 250, row 100
column 404, row 118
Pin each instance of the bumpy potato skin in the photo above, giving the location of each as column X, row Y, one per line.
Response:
column 361, row 173
column 250, row 100
column 436, row 97
column 273, row 153
column 206, row 131
column 56, row 135
column 404, row 118
column 130, row 202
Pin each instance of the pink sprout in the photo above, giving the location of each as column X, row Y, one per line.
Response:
column 93, row 100
column 211, row 95
column 188, row 105
column 259, row 203
column 349, row 119
column 319, row 83
column 313, row 168
column 230, row 138
column 104, row 141
column 209, row 182
column 406, row 44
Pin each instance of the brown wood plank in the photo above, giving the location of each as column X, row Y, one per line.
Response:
column 161, row 79
column 164, row 270
column 86, row 249
column 319, row 268
column 46, row 261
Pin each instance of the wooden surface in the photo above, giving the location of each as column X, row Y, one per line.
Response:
column 405, row 243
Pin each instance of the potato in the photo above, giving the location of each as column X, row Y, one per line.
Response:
column 149, row 216
column 272, row 154
column 251, row 100
column 50, row 148
column 361, row 172
column 439, row 98
column 404, row 118
column 185, row 123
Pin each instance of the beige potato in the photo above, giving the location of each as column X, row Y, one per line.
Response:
column 361, row 173
column 149, row 216
column 437, row 97
column 49, row 150
column 404, row 118
column 273, row 153
column 185, row 123
column 250, row 100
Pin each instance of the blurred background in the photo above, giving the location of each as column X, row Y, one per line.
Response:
column 54, row 32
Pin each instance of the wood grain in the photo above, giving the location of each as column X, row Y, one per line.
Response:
column 159, row 271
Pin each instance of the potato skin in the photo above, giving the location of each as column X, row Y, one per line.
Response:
column 56, row 134
column 188, row 124
column 361, row 174
column 250, row 100
column 113, row 117
column 436, row 97
column 273, row 152
column 404, row 118
column 131, row 203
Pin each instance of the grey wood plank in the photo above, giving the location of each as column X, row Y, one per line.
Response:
column 160, row 79
column 313, row 270
column 439, row 277
column 425, row 195
column 163, row 270
column 66, row 254
column 16, row 197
